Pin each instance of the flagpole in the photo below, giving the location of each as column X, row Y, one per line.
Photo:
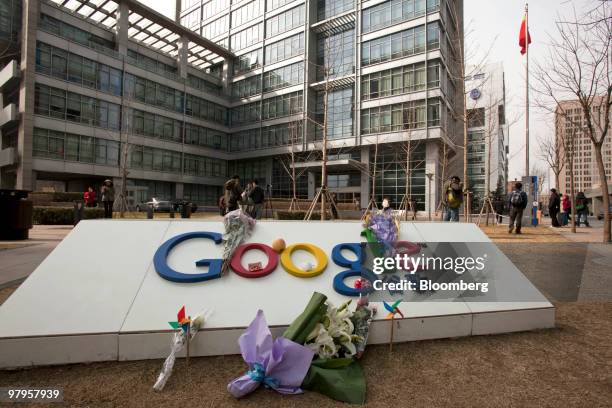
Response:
column 526, row 90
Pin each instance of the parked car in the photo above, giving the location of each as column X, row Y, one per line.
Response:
column 600, row 215
column 157, row 205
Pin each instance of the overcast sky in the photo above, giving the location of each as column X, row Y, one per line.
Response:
column 494, row 25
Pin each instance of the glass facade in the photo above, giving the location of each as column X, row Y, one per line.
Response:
column 64, row 105
column 391, row 174
column 329, row 8
column 401, row 80
column 336, row 55
column 399, row 45
column 400, row 116
column 52, row 144
column 393, row 12
column 340, row 108
column 73, row 68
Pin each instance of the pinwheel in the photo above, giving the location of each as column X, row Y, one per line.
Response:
column 186, row 329
column 393, row 310
column 182, row 322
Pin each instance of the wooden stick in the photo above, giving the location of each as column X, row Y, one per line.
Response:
column 391, row 338
column 188, row 339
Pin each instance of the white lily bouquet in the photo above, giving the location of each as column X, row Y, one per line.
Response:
column 334, row 336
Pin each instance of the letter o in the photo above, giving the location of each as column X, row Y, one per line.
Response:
column 314, row 250
column 236, row 262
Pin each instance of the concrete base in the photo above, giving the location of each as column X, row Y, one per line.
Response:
column 97, row 296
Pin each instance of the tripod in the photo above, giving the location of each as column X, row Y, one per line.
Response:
column 406, row 206
column 487, row 205
column 294, row 205
column 371, row 206
column 268, row 202
column 322, row 192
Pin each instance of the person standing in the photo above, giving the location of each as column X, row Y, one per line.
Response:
column 498, row 206
column 582, row 209
column 90, row 197
column 517, row 201
column 108, row 198
column 566, row 207
column 453, row 198
column 233, row 193
column 554, row 204
column 256, row 197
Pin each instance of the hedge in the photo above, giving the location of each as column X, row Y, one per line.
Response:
column 298, row 215
column 62, row 215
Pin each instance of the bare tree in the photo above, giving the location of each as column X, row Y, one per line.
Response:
column 551, row 152
column 290, row 160
column 578, row 67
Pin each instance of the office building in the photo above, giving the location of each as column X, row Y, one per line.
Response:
column 487, row 131
column 233, row 89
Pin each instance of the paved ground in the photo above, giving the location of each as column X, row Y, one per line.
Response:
column 19, row 258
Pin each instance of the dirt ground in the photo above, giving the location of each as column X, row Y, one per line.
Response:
column 570, row 365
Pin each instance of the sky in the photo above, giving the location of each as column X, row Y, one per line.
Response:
column 493, row 28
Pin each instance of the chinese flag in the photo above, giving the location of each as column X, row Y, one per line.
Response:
column 522, row 43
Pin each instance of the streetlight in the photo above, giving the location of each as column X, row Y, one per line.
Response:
column 429, row 177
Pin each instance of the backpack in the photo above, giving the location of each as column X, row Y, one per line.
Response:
column 579, row 204
column 516, row 199
column 451, row 198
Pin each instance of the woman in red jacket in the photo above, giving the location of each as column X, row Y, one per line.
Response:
column 566, row 207
column 90, row 197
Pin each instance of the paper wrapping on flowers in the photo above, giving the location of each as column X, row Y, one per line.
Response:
column 279, row 364
column 179, row 340
column 238, row 227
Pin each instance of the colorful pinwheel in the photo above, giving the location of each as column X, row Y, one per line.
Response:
column 393, row 309
column 182, row 322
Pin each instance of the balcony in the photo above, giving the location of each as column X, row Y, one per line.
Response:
column 336, row 24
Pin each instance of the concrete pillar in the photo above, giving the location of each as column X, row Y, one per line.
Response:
column 123, row 24
column 365, row 178
column 432, row 159
column 177, row 11
column 311, row 185
column 25, row 176
column 226, row 75
column 178, row 191
column 182, row 56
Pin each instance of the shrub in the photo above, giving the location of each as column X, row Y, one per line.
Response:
column 63, row 215
column 43, row 197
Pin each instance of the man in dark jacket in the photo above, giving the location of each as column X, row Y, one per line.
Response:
column 554, row 204
column 256, row 196
column 517, row 201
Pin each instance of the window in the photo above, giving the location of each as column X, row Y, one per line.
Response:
column 247, row 87
column 395, row 11
column 284, row 49
column 401, row 116
column 399, row 45
column 248, row 61
column 282, row 77
column 335, row 54
column 246, row 37
column 409, row 78
column 340, row 105
column 247, row 13
column 330, row 8
column 285, row 21
column 74, row 68
column 66, row 146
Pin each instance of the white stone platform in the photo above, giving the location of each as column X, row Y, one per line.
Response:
column 97, row 296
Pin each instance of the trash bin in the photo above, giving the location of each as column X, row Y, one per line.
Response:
column 185, row 210
column 79, row 210
column 15, row 214
column 149, row 212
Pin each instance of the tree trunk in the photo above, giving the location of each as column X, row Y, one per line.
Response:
column 604, row 193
